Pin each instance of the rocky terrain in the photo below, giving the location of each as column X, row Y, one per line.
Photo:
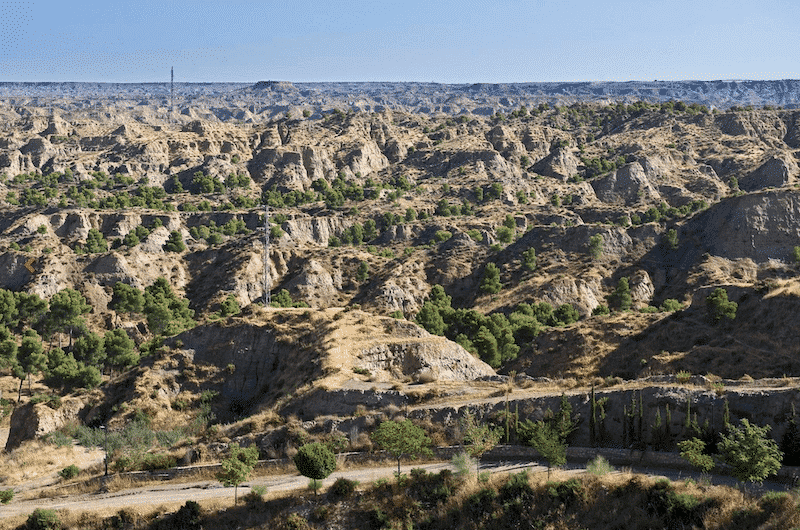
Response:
column 266, row 100
column 418, row 247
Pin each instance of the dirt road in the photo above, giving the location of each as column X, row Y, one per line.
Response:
column 179, row 493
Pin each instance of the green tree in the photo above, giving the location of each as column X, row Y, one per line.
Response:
column 440, row 298
column 596, row 246
column 175, row 242
column 566, row 314
column 564, row 423
column 229, row 307
column 491, row 279
column 400, row 438
column 719, row 307
column 362, row 274
column 31, row 309
column 670, row 239
column 315, row 461
column 670, row 305
column 796, row 254
column 95, row 242
column 127, row 299
column 166, row 313
column 621, row 297
column 8, row 350
column 90, row 349
column 66, row 308
column 8, row 307
column 237, row 467
column 529, row 259
column 486, row 343
column 120, row 349
column 693, row 452
column 505, row 234
column 31, row 359
column 547, row 441
column 430, row 318
column 480, row 438
column 752, row 455
column 62, row 368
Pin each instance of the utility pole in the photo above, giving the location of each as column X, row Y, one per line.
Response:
column 267, row 297
column 171, row 92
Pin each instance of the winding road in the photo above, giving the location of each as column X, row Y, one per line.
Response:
column 176, row 494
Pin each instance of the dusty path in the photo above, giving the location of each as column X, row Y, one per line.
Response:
column 155, row 496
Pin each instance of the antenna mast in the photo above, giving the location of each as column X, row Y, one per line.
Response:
column 267, row 297
column 171, row 92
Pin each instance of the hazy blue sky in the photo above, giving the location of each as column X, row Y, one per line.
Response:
column 446, row 41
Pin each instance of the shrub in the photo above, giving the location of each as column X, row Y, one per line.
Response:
column 153, row 461
column 42, row 519
column 175, row 242
column 596, row 246
column 315, row 461
column 6, row 496
column 621, row 297
column 599, row 466
column 505, row 234
column 671, row 305
column 517, row 486
column 256, row 494
column 718, row 306
column 343, row 487
column 442, row 235
column 69, row 472
column 491, row 279
column 463, row 463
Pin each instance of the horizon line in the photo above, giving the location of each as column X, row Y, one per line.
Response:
column 415, row 82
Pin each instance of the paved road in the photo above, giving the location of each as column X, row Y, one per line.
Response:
column 156, row 495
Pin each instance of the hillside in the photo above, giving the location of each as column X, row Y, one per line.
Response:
column 530, row 221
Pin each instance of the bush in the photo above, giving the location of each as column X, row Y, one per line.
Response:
column 670, row 305
column 69, row 472
column 599, row 466
column 442, row 235
column 6, row 496
column 621, row 297
column 518, row 486
column 596, row 246
column 719, row 307
column 463, row 463
column 343, row 487
column 256, row 494
column 154, row 461
column 42, row 519
column 187, row 517
column 491, row 279
column 175, row 242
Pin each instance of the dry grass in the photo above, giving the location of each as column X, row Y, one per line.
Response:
column 37, row 461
